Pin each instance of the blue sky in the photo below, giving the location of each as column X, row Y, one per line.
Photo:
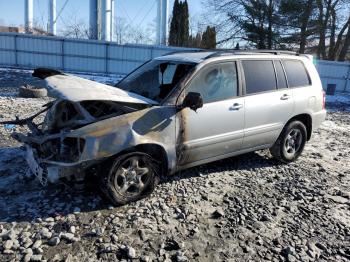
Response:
column 134, row 11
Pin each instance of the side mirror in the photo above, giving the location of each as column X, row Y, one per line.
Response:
column 193, row 101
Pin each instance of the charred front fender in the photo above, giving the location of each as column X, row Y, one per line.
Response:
column 155, row 125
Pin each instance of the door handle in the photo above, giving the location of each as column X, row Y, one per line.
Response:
column 236, row 106
column 285, row 97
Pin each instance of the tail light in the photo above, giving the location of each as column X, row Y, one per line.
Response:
column 323, row 99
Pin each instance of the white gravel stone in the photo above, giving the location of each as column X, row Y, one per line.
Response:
column 54, row 241
column 72, row 229
column 69, row 237
column 8, row 244
column 131, row 252
column 37, row 244
column 36, row 257
column 45, row 233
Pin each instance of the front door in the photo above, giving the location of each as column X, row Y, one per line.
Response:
column 215, row 129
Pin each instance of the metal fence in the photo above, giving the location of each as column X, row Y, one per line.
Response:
column 337, row 73
column 28, row 51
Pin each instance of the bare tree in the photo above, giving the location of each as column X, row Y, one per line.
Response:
column 325, row 8
column 74, row 26
column 305, row 24
column 197, row 25
column 136, row 34
column 346, row 42
column 300, row 25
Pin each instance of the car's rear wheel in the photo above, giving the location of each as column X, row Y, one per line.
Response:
column 130, row 177
column 291, row 142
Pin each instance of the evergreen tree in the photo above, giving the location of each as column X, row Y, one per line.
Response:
column 185, row 24
column 174, row 26
column 209, row 38
column 260, row 27
column 255, row 20
column 196, row 41
column 179, row 27
column 299, row 20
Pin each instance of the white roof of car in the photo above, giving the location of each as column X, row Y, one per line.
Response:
column 195, row 57
column 200, row 56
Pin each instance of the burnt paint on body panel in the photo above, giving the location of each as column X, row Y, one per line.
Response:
column 182, row 134
column 154, row 125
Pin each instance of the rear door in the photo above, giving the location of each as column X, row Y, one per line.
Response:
column 217, row 128
column 268, row 102
column 300, row 83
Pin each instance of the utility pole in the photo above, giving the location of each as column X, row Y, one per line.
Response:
column 162, row 22
column 165, row 18
column 52, row 17
column 93, row 19
column 106, row 20
column 113, row 16
column 102, row 16
column 28, row 16
column 159, row 22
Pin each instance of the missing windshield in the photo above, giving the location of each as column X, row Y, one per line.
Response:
column 155, row 79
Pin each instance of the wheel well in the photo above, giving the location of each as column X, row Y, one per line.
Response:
column 157, row 152
column 306, row 120
column 154, row 150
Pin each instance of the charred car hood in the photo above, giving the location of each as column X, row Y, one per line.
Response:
column 76, row 89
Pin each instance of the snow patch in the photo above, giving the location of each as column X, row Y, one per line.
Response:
column 338, row 98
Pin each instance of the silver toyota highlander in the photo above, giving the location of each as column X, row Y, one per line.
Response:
column 173, row 112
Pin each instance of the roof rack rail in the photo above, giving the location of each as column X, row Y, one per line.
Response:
column 227, row 52
column 276, row 52
column 185, row 51
column 223, row 52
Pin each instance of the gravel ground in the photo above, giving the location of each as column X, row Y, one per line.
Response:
column 240, row 209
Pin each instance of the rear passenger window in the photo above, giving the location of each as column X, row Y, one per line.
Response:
column 259, row 76
column 281, row 78
column 296, row 73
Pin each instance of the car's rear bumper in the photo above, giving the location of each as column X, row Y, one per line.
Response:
column 318, row 118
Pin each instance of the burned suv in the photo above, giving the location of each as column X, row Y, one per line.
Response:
column 173, row 112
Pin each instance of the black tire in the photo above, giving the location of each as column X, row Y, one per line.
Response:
column 120, row 182
column 283, row 148
column 30, row 92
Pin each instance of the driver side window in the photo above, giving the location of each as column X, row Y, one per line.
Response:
column 216, row 82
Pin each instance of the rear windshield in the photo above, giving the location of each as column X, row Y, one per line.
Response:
column 155, row 79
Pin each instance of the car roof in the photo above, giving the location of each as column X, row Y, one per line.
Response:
column 198, row 56
column 192, row 56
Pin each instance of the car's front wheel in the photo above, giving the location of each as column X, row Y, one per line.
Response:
column 130, row 177
column 290, row 144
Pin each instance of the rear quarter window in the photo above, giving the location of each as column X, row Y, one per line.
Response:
column 296, row 73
